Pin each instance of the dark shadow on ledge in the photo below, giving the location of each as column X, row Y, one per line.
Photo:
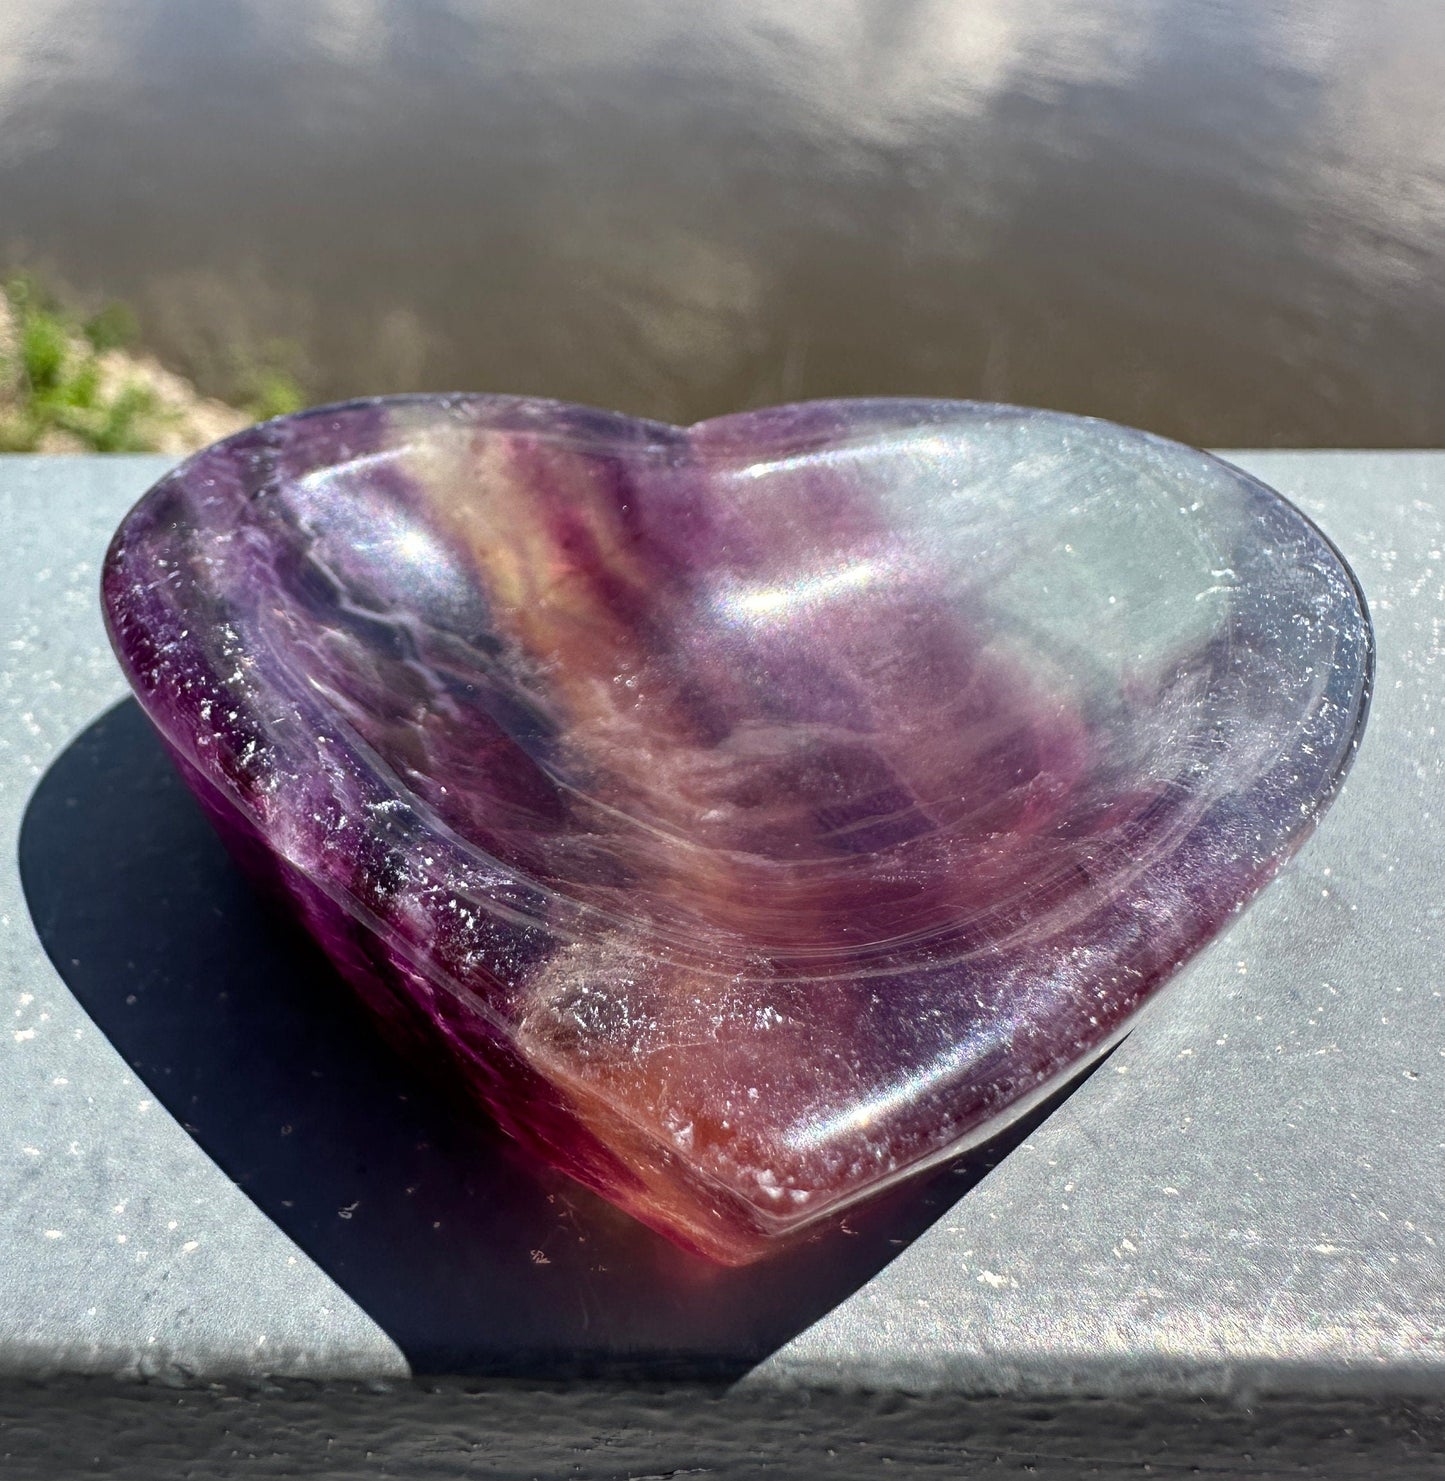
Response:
column 472, row 1260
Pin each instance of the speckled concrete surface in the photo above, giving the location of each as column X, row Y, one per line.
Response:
column 1246, row 1198
column 123, row 1249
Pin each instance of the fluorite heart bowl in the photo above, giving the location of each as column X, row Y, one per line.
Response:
column 748, row 814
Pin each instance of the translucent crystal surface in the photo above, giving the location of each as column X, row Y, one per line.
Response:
column 753, row 812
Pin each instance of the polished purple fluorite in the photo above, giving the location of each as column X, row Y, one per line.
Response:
column 756, row 812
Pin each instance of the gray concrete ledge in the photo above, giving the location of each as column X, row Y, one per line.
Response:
column 215, row 1181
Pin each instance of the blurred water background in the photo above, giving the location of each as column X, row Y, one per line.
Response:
column 1223, row 220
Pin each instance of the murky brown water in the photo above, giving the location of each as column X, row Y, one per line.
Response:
column 1224, row 221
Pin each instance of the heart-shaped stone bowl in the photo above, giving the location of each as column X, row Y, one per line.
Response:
column 753, row 813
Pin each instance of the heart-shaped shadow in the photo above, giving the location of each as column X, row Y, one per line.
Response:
column 473, row 1260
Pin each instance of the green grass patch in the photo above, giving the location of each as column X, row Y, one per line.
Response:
column 52, row 385
column 268, row 390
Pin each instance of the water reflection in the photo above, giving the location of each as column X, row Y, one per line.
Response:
column 1221, row 221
